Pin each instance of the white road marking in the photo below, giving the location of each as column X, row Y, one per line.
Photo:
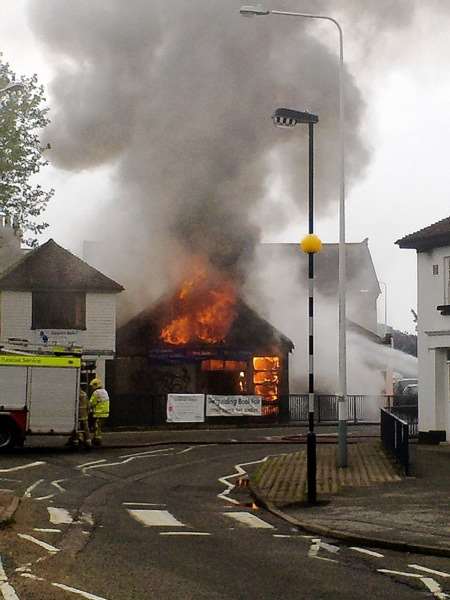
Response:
column 27, row 493
column 146, row 453
column 127, row 458
column 432, row 585
column 79, row 592
column 329, row 547
column 281, row 535
column 46, row 497
column 9, row 593
column 314, row 548
column 202, row 533
column 31, row 576
column 6, row 589
column 46, row 530
column 21, row 467
column 59, row 516
column 86, row 519
column 249, row 520
column 230, row 486
column 369, row 552
column 48, row 547
column 56, row 483
column 389, row 572
column 92, row 462
column 155, row 518
column 427, row 570
column 186, row 450
column 3, row 576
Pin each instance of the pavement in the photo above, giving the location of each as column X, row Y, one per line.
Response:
column 370, row 502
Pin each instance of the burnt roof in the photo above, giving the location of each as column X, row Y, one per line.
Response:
column 433, row 236
column 51, row 267
column 248, row 331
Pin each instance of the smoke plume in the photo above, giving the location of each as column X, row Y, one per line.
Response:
column 177, row 96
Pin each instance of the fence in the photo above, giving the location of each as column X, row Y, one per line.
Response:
column 360, row 408
column 395, row 437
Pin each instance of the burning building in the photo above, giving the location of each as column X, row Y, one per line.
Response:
column 202, row 339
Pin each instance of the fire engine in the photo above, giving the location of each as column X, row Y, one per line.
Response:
column 39, row 391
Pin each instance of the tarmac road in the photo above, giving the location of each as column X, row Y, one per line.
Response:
column 165, row 523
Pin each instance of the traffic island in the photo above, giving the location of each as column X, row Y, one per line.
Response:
column 282, row 479
column 369, row 503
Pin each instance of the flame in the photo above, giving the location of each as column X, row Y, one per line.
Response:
column 204, row 307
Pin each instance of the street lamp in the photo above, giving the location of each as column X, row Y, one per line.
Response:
column 250, row 11
column 286, row 117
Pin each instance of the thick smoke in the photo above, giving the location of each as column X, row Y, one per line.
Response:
column 178, row 95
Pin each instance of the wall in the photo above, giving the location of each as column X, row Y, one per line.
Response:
column 433, row 331
column 100, row 334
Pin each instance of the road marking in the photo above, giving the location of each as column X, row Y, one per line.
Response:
column 59, row 516
column 249, row 520
column 389, row 572
column 46, row 497
column 92, row 462
column 21, row 467
column 427, row 570
column 8, row 591
column 27, row 493
column 46, row 530
column 48, row 547
column 432, row 585
column 184, row 533
column 329, row 547
column 369, row 552
column 225, row 495
column 31, row 576
column 281, row 535
column 314, row 548
column 79, row 592
column 56, row 483
column 127, row 458
column 155, row 518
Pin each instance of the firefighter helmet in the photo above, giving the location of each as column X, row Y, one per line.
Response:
column 96, row 383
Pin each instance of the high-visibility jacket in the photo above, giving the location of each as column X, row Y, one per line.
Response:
column 99, row 404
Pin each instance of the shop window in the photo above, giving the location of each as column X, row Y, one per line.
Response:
column 58, row 310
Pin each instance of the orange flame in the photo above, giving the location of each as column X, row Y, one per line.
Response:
column 204, row 307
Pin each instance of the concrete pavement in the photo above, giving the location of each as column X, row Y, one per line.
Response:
column 370, row 502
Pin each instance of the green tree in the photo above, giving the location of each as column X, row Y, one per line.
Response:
column 23, row 115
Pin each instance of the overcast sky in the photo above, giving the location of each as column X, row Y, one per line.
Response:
column 405, row 188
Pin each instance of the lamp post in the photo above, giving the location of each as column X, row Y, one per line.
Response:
column 286, row 117
column 250, row 11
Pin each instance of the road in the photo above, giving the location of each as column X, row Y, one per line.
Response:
column 165, row 522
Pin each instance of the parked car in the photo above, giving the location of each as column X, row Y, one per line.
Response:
column 405, row 393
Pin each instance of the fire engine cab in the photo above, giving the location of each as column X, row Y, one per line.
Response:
column 39, row 392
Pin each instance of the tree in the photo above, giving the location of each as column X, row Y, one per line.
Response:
column 23, row 115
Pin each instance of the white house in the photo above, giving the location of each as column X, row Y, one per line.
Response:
column 433, row 309
column 48, row 295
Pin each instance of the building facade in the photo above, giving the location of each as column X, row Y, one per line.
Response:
column 433, row 327
column 49, row 296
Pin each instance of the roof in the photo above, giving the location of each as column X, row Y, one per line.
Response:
column 248, row 331
column 51, row 267
column 433, row 236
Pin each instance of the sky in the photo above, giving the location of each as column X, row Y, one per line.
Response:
column 404, row 79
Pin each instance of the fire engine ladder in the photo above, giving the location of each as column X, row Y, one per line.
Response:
column 23, row 346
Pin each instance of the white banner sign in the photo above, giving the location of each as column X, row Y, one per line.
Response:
column 233, row 406
column 185, row 408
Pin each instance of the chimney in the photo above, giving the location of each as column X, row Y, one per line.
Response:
column 10, row 242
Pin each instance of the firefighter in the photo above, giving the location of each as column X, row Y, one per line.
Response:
column 84, row 435
column 98, row 408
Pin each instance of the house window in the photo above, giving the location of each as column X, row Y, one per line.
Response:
column 447, row 280
column 435, row 269
column 58, row 310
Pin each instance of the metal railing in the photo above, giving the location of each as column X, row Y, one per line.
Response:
column 327, row 406
column 395, row 437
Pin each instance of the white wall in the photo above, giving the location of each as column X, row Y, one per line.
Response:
column 433, row 331
column 99, row 336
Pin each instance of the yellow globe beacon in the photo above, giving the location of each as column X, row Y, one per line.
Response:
column 311, row 244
